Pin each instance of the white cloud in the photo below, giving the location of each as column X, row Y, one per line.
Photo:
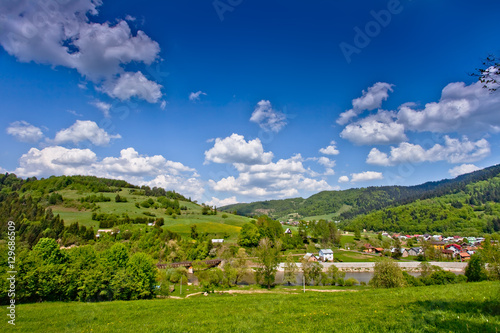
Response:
column 163, row 105
column 234, row 149
column 365, row 176
column 130, row 85
column 103, row 106
column 462, row 108
column 83, row 130
column 453, row 151
column 74, row 113
column 343, row 179
column 268, row 118
column 376, row 157
column 326, row 162
column 462, row 169
column 330, row 150
column 130, row 166
column 61, row 34
column 25, row 132
column 221, row 203
column 131, row 163
column 195, row 96
column 185, row 185
column 329, row 172
column 55, row 160
column 376, row 129
column 370, row 100
column 281, row 179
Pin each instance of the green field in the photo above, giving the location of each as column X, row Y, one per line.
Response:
column 473, row 307
column 212, row 224
column 328, row 217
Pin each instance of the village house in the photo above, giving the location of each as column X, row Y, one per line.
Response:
column 217, row 241
column 105, row 231
column 415, row 251
column 464, row 256
column 368, row 248
column 309, row 257
column 438, row 245
column 326, row 254
column 288, row 232
column 404, row 252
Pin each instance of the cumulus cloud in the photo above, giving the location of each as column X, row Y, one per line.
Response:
column 55, row 160
column 268, row 118
column 343, row 179
column 25, row 132
column 365, row 176
column 130, row 85
column 222, row 202
column 326, row 162
column 462, row 169
column 62, row 34
column 234, row 149
column 380, row 128
column 83, row 130
column 130, row 166
column 462, row 108
column 103, row 106
column 330, row 150
column 195, row 96
column 453, row 151
column 370, row 100
column 283, row 178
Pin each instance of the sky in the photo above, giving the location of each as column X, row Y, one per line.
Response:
column 228, row 101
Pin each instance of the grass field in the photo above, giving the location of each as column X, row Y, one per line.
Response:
column 212, row 224
column 473, row 307
column 328, row 217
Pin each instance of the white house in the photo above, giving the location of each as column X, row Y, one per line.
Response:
column 217, row 241
column 326, row 254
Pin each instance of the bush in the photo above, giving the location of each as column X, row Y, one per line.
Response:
column 340, row 282
column 411, row 280
column 387, row 274
column 351, row 282
column 475, row 270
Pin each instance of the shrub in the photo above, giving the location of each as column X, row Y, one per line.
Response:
column 387, row 274
column 351, row 282
column 475, row 270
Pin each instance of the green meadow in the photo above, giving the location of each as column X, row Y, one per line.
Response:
column 70, row 212
column 471, row 307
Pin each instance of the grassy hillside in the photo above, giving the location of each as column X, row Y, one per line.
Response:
column 472, row 307
column 81, row 198
column 473, row 210
column 467, row 204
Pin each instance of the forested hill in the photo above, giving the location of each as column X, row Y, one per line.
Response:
column 355, row 202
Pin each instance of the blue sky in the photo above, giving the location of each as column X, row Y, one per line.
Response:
column 235, row 101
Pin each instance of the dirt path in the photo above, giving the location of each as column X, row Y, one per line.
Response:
column 291, row 292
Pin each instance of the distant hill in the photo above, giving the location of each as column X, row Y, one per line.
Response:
column 48, row 207
column 365, row 200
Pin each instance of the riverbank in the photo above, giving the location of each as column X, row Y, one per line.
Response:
column 411, row 266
